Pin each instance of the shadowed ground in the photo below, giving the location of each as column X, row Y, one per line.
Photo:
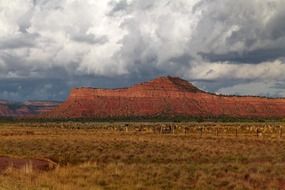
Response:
column 17, row 163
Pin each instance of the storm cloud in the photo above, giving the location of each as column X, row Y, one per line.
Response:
column 223, row 46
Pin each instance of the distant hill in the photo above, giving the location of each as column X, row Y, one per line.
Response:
column 164, row 96
column 28, row 108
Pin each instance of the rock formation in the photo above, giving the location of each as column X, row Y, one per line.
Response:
column 28, row 108
column 164, row 96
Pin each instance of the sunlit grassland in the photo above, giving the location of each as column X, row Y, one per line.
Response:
column 147, row 155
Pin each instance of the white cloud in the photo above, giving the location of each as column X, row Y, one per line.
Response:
column 12, row 15
column 197, row 39
column 225, row 70
column 122, row 34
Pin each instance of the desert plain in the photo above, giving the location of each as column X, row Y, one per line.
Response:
column 142, row 155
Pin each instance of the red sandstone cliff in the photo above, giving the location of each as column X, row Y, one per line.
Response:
column 165, row 96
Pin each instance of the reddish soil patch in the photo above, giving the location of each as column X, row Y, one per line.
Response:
column 281, row 184
column 37, row 164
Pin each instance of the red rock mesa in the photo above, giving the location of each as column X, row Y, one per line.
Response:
column 164, row 96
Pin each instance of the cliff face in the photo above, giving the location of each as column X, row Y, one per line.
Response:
column 28, row 108
column 165, row 96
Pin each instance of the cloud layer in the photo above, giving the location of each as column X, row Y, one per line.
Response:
column 222, row 45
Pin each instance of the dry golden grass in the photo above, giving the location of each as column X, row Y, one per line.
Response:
column 98, row 157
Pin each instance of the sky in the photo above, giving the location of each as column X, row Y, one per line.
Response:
column 48, row 47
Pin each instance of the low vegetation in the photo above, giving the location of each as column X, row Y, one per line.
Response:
column 146, row 155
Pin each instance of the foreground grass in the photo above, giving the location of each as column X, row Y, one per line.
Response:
column 106, row 159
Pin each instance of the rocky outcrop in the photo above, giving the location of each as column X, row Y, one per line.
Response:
column 28, row 108
column 39, row 107
column 164, row 96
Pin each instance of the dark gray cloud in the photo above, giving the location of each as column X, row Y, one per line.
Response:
column 59, row 88
column 49, row 46
column 90, row 38
column 250, row 57
column 19, row 41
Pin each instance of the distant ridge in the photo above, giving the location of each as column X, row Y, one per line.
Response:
column 27, row 108
column 163, row 97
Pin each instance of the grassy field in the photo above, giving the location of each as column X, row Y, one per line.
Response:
column 146, row 155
